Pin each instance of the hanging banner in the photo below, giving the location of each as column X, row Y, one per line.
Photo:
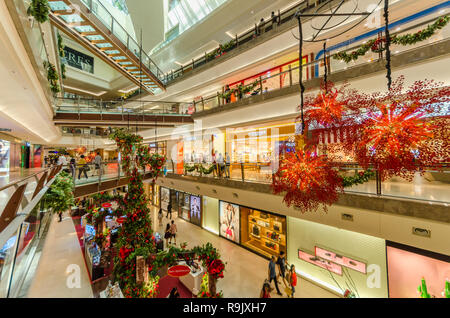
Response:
column 180, row 159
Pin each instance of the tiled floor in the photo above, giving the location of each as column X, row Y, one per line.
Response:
column 53, row 273
column 245, row 271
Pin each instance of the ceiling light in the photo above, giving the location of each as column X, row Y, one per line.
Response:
column 230, row 35
column 85, row 91
column 154, row 107
column 127, row 91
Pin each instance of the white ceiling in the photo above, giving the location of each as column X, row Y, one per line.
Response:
column 23, row 104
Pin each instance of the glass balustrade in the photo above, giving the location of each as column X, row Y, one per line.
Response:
column 432, row 186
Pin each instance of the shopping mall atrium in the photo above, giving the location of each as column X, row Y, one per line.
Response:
column 180, row 149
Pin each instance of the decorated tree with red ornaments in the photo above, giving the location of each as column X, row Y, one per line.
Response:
column 135, row 237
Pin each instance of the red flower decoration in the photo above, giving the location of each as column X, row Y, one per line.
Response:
column 399, row 136
column 308, row 181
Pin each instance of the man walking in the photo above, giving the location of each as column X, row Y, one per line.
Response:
column 173, row 232
column 98, row 163
column 169, row 210
column 227, row 165
column 273, row 274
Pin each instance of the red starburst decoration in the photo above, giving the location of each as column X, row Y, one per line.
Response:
column 308, row 181
column 328, row 107
column 399, row 136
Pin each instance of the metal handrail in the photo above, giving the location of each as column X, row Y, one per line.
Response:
column 25, row 178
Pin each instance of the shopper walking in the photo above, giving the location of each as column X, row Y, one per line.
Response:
column 60, row 216
column 273, row 274
column 227, row 165
column 98, row 163
column 221, row 165
column 281, row 262
column 265, row 291
column 173, row 232
column 228, row 94
column 169, row 210
column 160, row 216
column 72, row 167
column 261, row 27
column 174, row 293
column 274, row 20
column 292, row 279
column 62, row 160
column 82, row 167
column 167, row 234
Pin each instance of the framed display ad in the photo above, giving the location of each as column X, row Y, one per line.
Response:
column 196, row 210
column 229, row 225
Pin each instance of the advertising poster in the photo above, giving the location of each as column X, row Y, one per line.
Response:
column 37, row 156
column 180, row 162
column 165, row 198
column 196, row 210
column 4, row 156
column 229, row 215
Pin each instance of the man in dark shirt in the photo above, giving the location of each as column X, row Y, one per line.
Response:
column 273, row 274
column 281, row 262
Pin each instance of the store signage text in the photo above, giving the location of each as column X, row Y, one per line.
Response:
column 178, row 270
column 79, row 60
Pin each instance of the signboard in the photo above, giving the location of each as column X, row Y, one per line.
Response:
column 196, row 210
column 78, row 60
column 341, row 260
column 332, row 267
column 178, row 271
column 106, row 205
column 141, row 270
column 180, row 163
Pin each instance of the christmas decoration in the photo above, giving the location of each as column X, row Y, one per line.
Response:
column 308, row 180
column 329, row 106
column 360, row 178
column 398, row 136
column 422, row 289
column 374, row 45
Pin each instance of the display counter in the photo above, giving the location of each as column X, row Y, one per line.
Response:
column 193, row 280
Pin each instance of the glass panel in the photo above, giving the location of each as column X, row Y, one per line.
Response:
column 58, row 6
column 7, row 253
column 94, row 37
column 101, row 13
column 71, row 18
column 84, row 28
column 120, row 32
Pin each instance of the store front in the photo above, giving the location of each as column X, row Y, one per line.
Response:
column 338, row 259
column 407, row 266
column 210, row 211
column 155, row 199
column 158, row 148
column 188, row 206
column 165, row 198
column 263, row 232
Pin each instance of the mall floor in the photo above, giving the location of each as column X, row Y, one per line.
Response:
column 244, row 276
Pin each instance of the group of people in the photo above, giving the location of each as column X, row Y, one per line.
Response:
column 171, row 228
column 82, row 165
column 285, row 272
column 261, row 28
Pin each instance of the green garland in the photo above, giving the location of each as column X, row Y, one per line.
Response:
column 240, row 90
column 39, row 9
column 199, row 168
column 52, row 77
column 407, row 39
column 61, row 46
column 359, row 178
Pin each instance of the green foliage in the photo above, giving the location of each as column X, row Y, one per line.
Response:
column 407, row 39
column 52, row 77
column 61, row 46
column 359, row 178
column 423, row 289
column 39, row 9
column 59, row 197
column 240, row 90
column 199, row 168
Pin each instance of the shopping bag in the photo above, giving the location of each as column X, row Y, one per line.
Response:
column 288, row 291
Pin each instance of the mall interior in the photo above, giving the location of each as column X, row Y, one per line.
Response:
column 179, row 148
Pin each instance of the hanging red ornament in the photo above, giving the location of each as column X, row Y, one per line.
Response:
column 308, row 181
column 403, row 134
column 328, row 107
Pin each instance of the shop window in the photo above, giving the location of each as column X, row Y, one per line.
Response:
column 263, row 232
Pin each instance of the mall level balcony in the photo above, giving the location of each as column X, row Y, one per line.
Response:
column 403, row 212
column 340, row 74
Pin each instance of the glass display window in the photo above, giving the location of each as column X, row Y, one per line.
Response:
column 263, row 232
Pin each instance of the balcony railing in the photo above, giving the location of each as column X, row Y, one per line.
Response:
column 432, row 186
column 272, row 82
column 94, row 106
column 22, row 224
column 96, row 7
column 260, row 28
